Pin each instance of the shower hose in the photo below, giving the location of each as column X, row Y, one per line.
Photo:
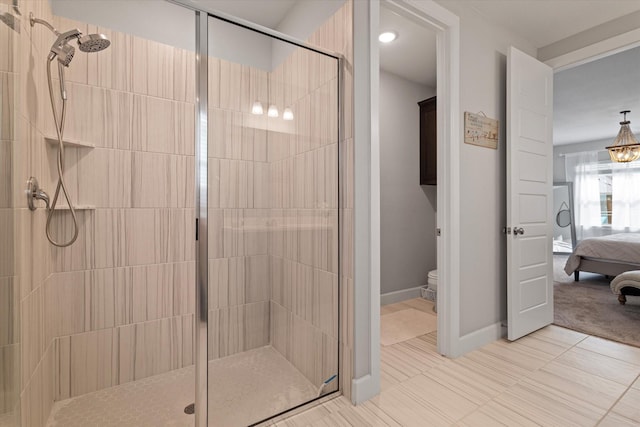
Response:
column 59, row 122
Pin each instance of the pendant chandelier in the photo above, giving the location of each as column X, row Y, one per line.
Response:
column 626, row 147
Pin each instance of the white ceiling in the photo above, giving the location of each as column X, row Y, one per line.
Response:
column 589, row 98
column 413, row 54
column 543, row 22
column 266, row 13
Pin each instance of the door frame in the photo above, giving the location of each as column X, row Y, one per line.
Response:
column 595, row 51
column 366, row 356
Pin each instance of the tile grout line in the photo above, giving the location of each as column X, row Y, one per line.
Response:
column 519, row 382
column 609, row 411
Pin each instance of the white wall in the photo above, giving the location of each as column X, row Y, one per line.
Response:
column 407, row 210
column 160, row 21
column 301, row 21
column 172, row 25
column 483, row 174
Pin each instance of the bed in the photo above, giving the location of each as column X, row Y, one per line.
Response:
column 607, row 255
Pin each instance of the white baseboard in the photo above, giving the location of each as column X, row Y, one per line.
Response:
column 364, row 388
column 477, row 339
column 401, row 295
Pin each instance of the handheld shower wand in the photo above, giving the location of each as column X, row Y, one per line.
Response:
column 64, row 52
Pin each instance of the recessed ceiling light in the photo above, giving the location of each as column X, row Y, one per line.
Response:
column 387, row 36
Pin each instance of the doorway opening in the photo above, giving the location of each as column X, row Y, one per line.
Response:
column 598, row 195
column 408, row 179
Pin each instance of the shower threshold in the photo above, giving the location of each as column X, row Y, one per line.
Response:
column 243, row 389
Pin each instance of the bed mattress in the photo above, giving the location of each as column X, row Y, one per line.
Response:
column 624, row 247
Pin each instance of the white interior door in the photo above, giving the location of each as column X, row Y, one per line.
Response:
column 529, row 194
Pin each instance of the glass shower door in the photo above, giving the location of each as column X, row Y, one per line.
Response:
column 273, row 225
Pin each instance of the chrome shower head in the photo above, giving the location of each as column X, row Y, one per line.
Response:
column 93, row 42
column 64, row 53
column 61, row 47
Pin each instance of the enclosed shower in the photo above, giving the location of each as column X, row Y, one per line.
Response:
column 171, row 210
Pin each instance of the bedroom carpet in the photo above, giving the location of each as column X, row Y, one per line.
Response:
column 590, row 307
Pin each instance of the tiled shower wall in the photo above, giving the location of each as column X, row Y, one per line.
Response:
column 127, row 283
column 238, row 217
column 336, row 35
column 116, row 305
column 25, row 254
column 10, row 296
column 303, row 243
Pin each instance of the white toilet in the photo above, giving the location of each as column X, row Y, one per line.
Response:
column 432, row 282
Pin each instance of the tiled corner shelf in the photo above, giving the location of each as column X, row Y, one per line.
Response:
column 53, row 140
column 76, row 207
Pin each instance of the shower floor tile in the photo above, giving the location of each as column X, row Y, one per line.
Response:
column 243, row 389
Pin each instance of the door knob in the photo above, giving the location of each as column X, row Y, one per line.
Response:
column 518, row 230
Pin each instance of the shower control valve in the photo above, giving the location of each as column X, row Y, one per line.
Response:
column 34, row 192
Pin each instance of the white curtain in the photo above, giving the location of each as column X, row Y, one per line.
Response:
column 582, row 170
column 625, row 195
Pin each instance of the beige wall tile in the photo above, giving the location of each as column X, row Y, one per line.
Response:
column 68, row 290
column 213, row 188
column 90, row 361
column 87, row 115
column 256, row 325
column 103, row 302
column 7, row 101
column 9, row 377
column 231, row 78
column 141, row 244
column 256, row 234
column 225, row 134
column 325, row 302
column 8, row 231
column 232, row 327
column 218, row 282
column 160, row 69
column 126, row 353
column 9, row 311
column 150, row 179
column 184, row 279
column 109, row 228
column 31, row 404
column 111, row 68
column 302, row 292
column 236, row 292
column 184, row 75
column 152, row 340
column 32, row 333
column 6, row 166
column 214, row 83
column 139, row 65
column 105, row 178
column 257, row 278
column 160, row 123
column 217, row 234
column 185, row 128
column 280, row 322
column 124, row 121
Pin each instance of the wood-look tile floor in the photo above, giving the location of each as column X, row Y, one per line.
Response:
column 553, row 377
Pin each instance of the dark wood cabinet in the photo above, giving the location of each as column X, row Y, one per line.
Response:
column 428, row 142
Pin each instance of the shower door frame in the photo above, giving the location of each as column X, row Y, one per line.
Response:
column 201, row 192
